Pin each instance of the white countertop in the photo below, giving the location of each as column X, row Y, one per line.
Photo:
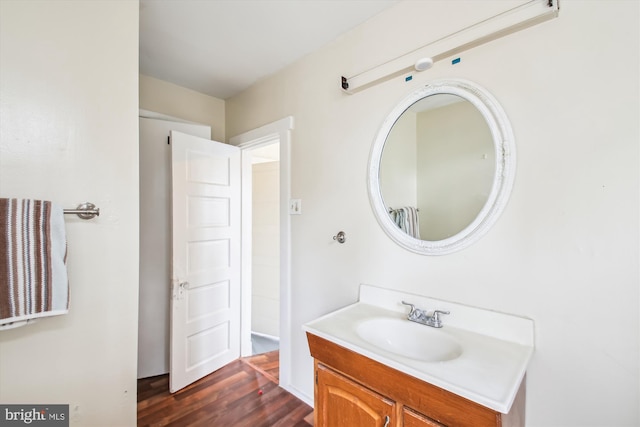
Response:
column 496, row 347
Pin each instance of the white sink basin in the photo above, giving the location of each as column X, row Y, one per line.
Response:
column 481, row 355
column 410, row 339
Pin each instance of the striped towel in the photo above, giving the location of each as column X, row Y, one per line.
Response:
column 33, row 255
column 408, row 220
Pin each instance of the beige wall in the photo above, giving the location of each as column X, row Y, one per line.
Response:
column 398, row 167
column 565, row 250
column 265, row 301
column 69, row 133
column 176, row 101
column 458, row 163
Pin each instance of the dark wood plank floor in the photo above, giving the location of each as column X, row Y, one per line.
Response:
column 267, row 364
column 243, row 393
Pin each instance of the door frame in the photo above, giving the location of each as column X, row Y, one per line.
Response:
column 265, row 135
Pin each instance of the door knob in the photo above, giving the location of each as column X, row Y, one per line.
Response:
column 179, row 289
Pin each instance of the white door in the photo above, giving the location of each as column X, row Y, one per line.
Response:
column 205, row 303
column 155, row 240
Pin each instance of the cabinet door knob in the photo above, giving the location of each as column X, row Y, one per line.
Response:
column 386, row 421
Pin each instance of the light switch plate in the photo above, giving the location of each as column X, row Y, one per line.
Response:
column 295, row 207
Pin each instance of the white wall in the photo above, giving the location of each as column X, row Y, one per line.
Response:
column 564, row 252
column 176, row 101
column 69, row 133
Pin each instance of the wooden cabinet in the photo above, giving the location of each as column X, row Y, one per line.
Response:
column 342, row 402
column 413, row 419
column 352, row 390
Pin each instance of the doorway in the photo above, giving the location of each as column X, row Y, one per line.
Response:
column 276, row 134
column 265, row 242
column 190, row 257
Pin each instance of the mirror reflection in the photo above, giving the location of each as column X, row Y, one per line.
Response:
column 442, row 167
column 437, row 167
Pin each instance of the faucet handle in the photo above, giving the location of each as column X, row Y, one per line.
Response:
column 413, row 307
column 436, row 312
column 409, row 304
column 435, row 317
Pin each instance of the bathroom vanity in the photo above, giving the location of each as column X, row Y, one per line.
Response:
column 373, row 367
column 359, row 391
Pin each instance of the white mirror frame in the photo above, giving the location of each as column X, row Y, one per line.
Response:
column 504, row 175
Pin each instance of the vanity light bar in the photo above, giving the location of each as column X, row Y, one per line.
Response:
column 526, row 15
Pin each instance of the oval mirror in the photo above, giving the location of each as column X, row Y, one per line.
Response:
column 442, row 167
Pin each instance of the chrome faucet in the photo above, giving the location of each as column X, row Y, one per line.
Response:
column 420, row 316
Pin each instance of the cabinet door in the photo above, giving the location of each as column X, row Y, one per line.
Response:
column 343, row 403
column 413, row 419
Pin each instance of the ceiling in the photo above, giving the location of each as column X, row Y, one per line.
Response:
column 221, row 47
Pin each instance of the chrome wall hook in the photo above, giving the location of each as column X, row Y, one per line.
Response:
column 340, row 237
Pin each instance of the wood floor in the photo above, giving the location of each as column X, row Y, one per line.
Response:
column 244, row 393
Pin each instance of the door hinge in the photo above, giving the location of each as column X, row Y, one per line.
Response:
column 169, row 140
column 316, row 377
